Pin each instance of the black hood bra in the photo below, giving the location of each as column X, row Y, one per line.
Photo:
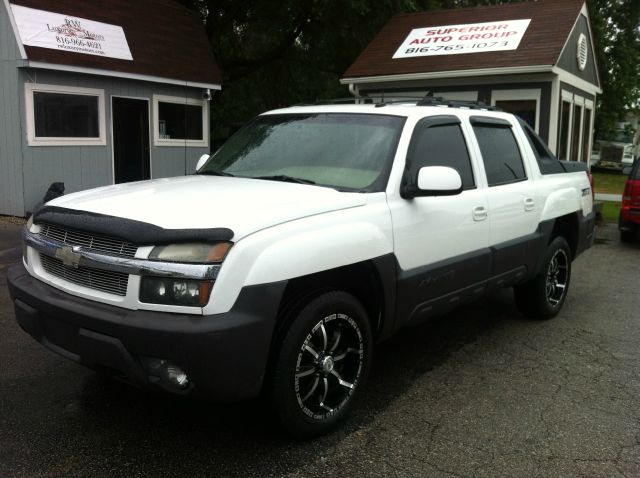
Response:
column 136, row 232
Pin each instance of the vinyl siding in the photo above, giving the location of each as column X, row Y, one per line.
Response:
column 85, row 167
column 568, row 58
column 11, row 198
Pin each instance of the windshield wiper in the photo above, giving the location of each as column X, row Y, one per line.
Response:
column 285, row 178
column 216, row 173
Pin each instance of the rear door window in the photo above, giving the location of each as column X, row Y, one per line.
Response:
column 500, row 153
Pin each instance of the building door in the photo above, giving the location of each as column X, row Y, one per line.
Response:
column 131, row 161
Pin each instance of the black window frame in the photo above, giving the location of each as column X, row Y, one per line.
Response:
column 38, row 123
column 434, row 122
column 498, row 123
column 547, row 162
column 184, row 121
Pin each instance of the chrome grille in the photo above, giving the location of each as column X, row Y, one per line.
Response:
column 92, row 242
column 105, row 281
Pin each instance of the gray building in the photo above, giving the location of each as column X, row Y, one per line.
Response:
column 533, row 59
column 95, row 93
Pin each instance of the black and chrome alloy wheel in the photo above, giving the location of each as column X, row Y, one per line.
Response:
column 557, row 277
column 542, row 296
column 329, row 366
column 321, row 364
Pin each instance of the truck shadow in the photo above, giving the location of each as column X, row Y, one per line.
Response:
column 244, row 438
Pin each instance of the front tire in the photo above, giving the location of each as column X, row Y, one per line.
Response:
column 543, row 296
column 321, row 364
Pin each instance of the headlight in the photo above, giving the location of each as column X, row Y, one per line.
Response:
column 194, row 253
column 186, row 292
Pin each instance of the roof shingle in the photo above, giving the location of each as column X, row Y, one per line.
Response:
column 166, row 40
column 551, row 24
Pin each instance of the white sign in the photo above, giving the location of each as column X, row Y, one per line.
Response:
column 459, row 39
column 77, row 35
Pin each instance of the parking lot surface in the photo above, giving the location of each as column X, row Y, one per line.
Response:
column 479, row 392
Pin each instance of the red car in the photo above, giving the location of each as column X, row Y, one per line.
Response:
column 629, row 222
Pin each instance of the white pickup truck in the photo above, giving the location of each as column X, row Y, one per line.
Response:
column 314, row 233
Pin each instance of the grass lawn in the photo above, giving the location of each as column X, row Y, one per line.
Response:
column 609, row 183
column 610, row 211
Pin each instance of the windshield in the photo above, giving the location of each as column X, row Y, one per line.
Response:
column 623, row 137
column 619, row 136
column 340, row 150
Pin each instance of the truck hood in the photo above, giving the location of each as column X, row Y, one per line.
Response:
column 202, row 202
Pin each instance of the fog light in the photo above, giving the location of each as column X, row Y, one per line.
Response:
column 170, row 375
column 176, row 376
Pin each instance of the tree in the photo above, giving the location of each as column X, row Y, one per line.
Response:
column 616, row 31
column 277, row 53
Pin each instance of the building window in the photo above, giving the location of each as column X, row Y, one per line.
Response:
column 565, row 122
column 524, row 109
column 576, row 133
column 64, row 116
column 415, row 95
column 458, row 95
column 522, row 103
column 586, row 136
column 576, row 120
column 180, row 121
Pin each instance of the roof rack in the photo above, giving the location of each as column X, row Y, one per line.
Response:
column 427, row 100
column 339, row 101
column 472, row 105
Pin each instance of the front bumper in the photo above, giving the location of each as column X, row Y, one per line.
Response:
column 629, row 219
column 224, row 355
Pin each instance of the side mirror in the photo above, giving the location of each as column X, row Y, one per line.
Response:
column 201, row 162
column 434, row 181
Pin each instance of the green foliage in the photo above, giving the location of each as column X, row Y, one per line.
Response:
column 609, row 182
column 616, row 31
column 277, row 53
column 611, row 211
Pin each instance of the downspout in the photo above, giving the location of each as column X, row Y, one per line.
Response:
column 353, row 89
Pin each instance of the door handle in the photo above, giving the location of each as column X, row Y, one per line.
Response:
column 479, row 213
column 529, row 204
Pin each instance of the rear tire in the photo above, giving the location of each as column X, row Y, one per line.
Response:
column 543, row 296
column 628, row 236
column 321, row 364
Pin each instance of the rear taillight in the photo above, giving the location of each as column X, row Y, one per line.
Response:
column 592, row 183
column 631, row 195
column 626, row 196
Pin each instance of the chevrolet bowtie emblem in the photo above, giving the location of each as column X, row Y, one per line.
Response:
column 68, row 256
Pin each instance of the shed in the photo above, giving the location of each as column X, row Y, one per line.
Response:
column 94, row 93
column 534, row 59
